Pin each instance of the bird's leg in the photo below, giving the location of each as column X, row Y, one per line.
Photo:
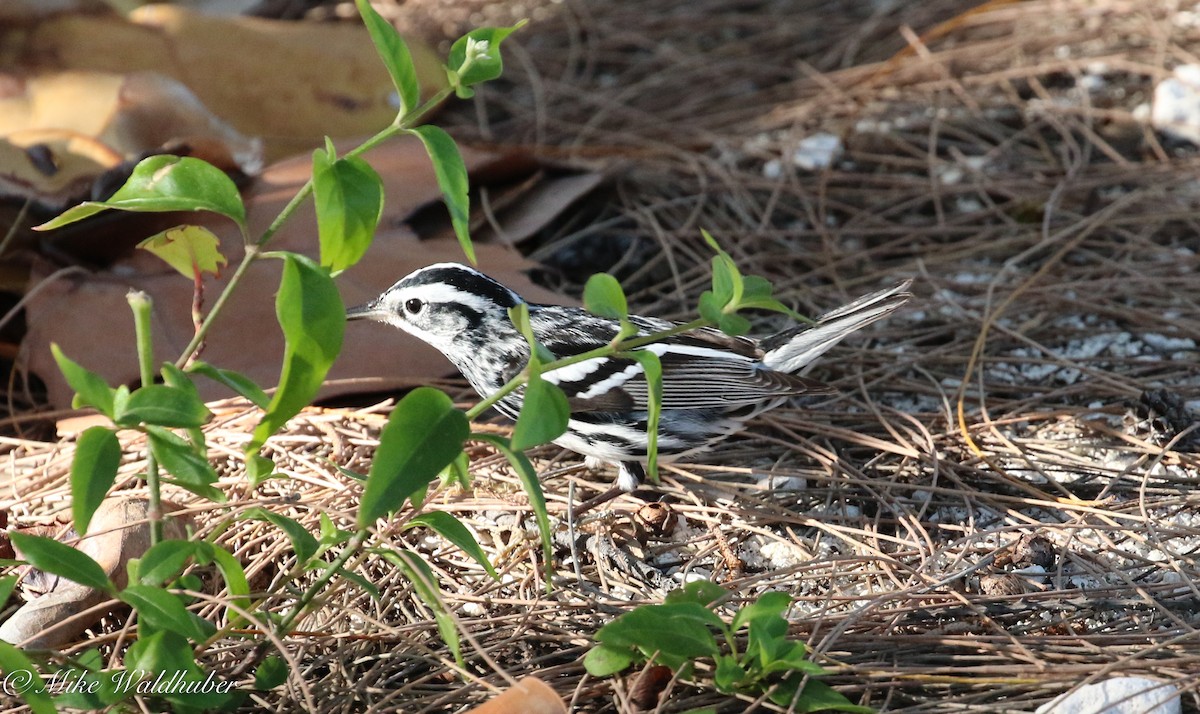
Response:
column 629, row 477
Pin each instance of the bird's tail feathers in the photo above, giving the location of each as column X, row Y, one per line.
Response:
column 792, row 350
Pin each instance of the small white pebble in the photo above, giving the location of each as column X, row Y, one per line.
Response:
column 1117, row 696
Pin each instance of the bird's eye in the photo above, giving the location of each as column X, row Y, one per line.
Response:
column 413, row 305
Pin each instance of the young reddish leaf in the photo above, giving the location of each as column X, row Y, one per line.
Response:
column 424, row 433
column 313, row 319
column 191, row 250
column 395, row 55
column 93, row 470
column 349, row 200
column 62, row 560
column 166, row 183
column 90, row 388
column 451, row 174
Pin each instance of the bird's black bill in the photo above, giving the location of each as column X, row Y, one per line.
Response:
column 370, row 311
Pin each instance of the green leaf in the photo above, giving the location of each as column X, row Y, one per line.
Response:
column 424, row 433
column 729, row 674
column 475, row 57
column 769, row 606
column 313, row 319
column 601, row 660
column 182, row 460
column 161, row 405
column 271, row 673
column 167, row 653
column 652, row 367
column 191, row 250
column 790, row 656
column 19, row 668
column 544, row 414
column 164, row 611
column 458, row 472
column 533, row 489
column 348, row 195
column 755, row 287
column 164, row 561
column 7, row 583
column 733, row 324
column 603, row 296
column 701, row 592
column 166, row 183
column 453, row 530
column 727, row 279
column 93, row 471
column 425, row 583
column 90, row 388
column 451, row 174
column 710, row 307
column 817, row 696
column 258, row 469
column 239, row 383
column 62, row 560
column 368, row 587
column 395, row 55
column 235, row 576
column 303, row 542
column 331, row 535
column 673, row 634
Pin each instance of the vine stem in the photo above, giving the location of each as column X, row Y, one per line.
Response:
column 141, row 305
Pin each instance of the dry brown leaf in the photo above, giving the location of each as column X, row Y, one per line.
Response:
column 119, row 532
column 54, row 168
column 305, row 80
column 528, row 696
column 63, row 130
column 87, row 315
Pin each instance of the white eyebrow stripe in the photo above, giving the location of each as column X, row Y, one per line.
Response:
column 573, row 372
column 442, row 294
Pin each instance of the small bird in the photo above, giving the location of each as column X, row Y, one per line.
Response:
column 712, row 383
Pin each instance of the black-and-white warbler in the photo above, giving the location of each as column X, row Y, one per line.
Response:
column 711, row 383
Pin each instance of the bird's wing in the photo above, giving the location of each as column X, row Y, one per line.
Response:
column 702, row 369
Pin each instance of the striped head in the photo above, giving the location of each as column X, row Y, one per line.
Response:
column 447, row 305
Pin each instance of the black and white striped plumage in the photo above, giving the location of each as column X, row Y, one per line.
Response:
column 712, row 383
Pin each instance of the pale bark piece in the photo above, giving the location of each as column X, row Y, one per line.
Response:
column 119, row 531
